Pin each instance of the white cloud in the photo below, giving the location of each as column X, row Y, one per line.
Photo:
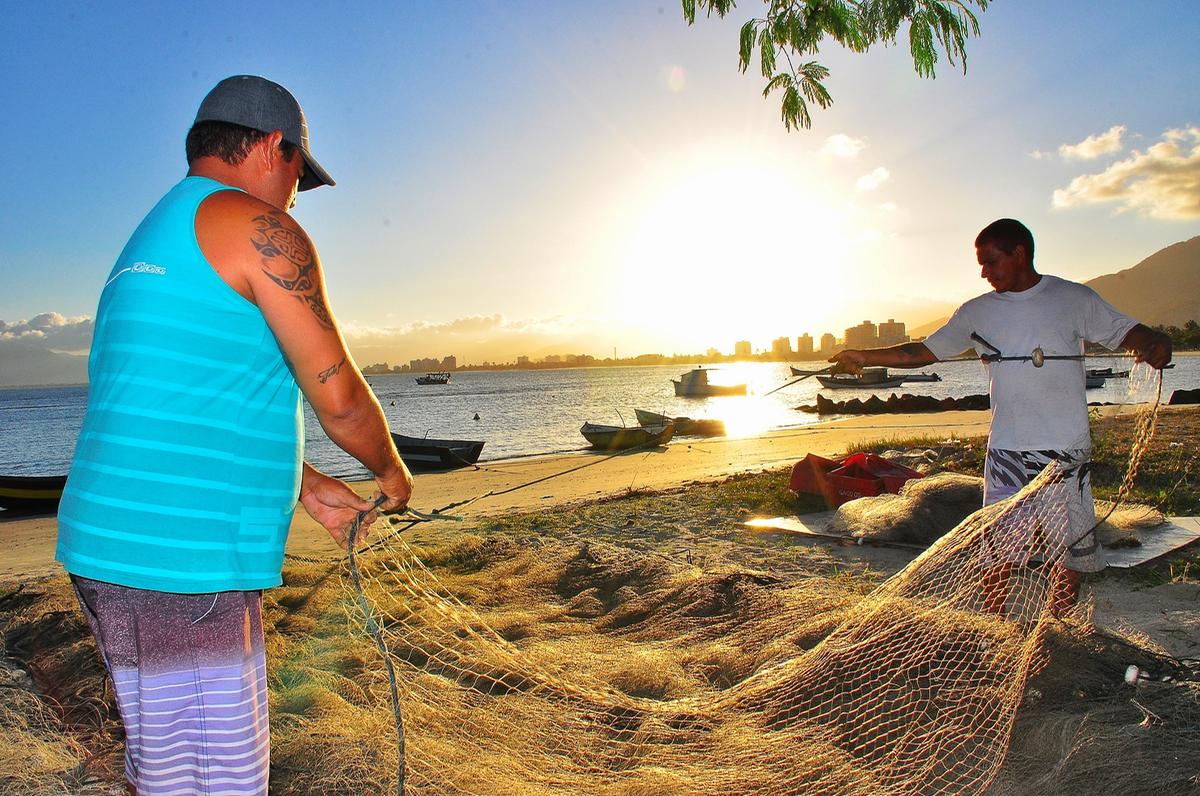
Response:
column 1162, row 182
column 1094, row 146
column 50, row 331
column 1038, row 154
column 841, row 145
column 869, row 182
column 889, row 207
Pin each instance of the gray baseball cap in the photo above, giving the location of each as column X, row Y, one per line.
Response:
column 260, row 104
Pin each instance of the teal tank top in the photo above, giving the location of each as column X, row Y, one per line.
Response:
column 187, row 468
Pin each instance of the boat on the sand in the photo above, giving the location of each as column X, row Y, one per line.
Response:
column 615, row 438
column 684, row 426
column 424, row 453
column 31, row 493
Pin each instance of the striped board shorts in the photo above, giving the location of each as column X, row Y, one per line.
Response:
column 1006, row 472
column 189, row 672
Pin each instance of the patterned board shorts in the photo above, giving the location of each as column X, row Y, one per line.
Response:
column 190, row 678
column 1006, row 472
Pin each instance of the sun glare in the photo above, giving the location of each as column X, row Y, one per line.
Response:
column 740, row 250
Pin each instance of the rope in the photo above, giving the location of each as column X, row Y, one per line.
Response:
column 377, row 635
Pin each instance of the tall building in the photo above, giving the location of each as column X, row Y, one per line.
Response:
column 828, row 344
column 424, row 364
column 781, row 347
column 892, row 333
column 804, row 344
column 450, row 363
column 862, row 336
column 742, row 348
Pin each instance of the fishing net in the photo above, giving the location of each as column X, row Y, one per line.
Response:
column 599, row 671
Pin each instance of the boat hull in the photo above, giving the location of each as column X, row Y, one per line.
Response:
column 612, row 438
column 422, row 454
column 707, row 390
column 842, row 383
column 684, row 426
column 25, row 493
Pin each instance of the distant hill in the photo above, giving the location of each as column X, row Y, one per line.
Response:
column 1163, row 289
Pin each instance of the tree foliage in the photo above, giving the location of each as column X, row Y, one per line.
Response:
column 792, row 32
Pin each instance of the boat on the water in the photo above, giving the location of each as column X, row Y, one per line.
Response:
column 694, row 384
column 869, row 379
column 1108, row 373
column 424, row 454
column 684, row 426
column 1092, row 382
column 921, row 377
column 31, row 493
column 615, row 438
column 798, row 372
column 442, row 377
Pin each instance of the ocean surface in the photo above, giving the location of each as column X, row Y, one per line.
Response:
column 530, row 412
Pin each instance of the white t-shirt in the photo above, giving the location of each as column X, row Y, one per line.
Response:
column 1035, row 408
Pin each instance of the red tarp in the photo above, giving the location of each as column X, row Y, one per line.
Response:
column 854, row 476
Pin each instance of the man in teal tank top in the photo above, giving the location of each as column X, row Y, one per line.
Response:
column 189, row 463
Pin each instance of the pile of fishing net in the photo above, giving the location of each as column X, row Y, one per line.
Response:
column 595, row 670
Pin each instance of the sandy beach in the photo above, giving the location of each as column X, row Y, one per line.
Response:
column 27, row 543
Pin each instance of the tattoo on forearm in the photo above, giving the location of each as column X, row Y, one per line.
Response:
column 331, row 371
column 288, row 262
column 912, row 350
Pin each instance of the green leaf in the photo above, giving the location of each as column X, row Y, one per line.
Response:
column 766, row 56
column 748, row 35
column 689, row 11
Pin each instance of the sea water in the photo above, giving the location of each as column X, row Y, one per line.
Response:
column 531, row 412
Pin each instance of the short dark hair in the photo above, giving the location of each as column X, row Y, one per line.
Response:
column 229, row 142
column 1007, row 234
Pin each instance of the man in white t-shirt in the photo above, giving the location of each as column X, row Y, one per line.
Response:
column 1030, row 332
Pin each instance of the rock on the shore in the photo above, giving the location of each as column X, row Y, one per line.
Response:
column 895, row 404
column 1184, row 397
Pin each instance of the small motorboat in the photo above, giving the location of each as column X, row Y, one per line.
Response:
column 1107, row 373
column 434, row 378
column 694, row 384
column 869, row 379
column 425, row 454
column 615, row 438
column 1093, row 381
column 921, row 377
column 684, row 426
column 31, row 493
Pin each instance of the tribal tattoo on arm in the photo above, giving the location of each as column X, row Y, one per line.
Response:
column 331, row 371
column 287, row 260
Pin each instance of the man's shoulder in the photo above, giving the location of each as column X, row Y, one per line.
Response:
column 236, row 212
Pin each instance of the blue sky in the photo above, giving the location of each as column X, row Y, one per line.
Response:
column 533, row 177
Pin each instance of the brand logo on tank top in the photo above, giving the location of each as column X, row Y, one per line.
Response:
column 148, row 268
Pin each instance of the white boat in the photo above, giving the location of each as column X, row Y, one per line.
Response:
column 615, row 438
column 442, row 377
column 694, row 384
column 869, row 379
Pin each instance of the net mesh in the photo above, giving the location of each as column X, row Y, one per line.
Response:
column 911, row 689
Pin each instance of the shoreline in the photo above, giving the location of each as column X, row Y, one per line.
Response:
column 27, row 543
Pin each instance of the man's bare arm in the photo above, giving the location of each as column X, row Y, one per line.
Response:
column 905, row 355
column 264, row 254
column 1151, row 347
